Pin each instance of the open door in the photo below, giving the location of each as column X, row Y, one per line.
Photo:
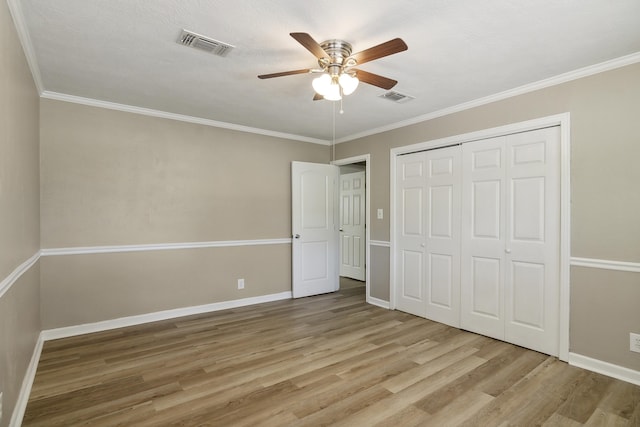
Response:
column 315, row 234
column 352, row 225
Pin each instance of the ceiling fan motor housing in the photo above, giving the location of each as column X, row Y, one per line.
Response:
column 338, row 51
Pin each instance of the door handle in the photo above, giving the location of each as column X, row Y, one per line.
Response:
column 341, row 229
column 508, row 251
column 297, row 236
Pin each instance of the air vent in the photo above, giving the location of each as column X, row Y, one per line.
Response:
column 398, row 97
column 201, row 42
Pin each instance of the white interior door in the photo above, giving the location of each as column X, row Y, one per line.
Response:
column 315, row 235
column 411, row 295
column 483, row 241
column 352, row 225
column 442, row 257
column 532, row 251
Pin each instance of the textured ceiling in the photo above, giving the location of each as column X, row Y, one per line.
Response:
column 125, row 52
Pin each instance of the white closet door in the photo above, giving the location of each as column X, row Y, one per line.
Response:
column 483, row 237
column 442, row 258
column 510, row 238
column 410, row 233
column 532, row 244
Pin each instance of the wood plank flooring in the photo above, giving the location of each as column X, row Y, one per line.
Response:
column 324, row 360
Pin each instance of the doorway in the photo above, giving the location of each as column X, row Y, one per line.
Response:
column 354, row 220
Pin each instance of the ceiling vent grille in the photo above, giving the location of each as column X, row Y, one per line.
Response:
column 188, row 38
column 398, row 97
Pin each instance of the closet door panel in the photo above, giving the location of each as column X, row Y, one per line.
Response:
column 532, row 240
column 411, row 283
column 411, row 197
column 486, row 202
column 483, row 234
column 527, row 282
column 441, row 278
column 442, row 273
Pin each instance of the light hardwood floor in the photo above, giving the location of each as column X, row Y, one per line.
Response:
column 324, row 360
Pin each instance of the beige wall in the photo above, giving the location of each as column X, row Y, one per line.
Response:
column 605, row 201
column 116, row 178
column 19, row 213
column 379, row 274
column 80, row 289
column 604, row 310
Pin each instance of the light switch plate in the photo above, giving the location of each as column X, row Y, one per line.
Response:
column 380, row 214
column 634, row 342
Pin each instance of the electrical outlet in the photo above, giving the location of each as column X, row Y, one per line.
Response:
column 240, row 283
column 634, row 342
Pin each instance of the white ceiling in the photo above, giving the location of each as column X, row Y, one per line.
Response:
column 125, row 52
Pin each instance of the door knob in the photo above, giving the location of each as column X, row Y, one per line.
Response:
column 508, row 251
column 341, row 229
column 422, row 245
column 297, row 236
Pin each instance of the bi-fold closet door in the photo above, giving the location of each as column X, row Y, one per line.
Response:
column 477, row 237
column 428, row 234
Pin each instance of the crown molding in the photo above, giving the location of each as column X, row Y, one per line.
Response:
column 173, row 116
column 531, row 87
column 25, row 40
column 27, row 45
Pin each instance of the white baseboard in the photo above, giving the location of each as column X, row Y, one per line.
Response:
column 378, row 302
column 27, row 382
column 122, row 322
column 605, row 368
column 51, row 334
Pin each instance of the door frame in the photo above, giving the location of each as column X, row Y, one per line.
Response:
column 366, row 158
column 564, row 121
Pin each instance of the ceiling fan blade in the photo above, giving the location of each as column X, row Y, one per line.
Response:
column 380, row 51
column 310, row 44
column 375, row 79
column 284, row 73
column 317, row 97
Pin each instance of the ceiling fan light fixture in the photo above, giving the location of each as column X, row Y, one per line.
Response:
column 328, row 87
column 321, row 84
column 333, row 93
column 349, row 83
column 334, row 57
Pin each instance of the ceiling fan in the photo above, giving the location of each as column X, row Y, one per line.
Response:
column 336, row 65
